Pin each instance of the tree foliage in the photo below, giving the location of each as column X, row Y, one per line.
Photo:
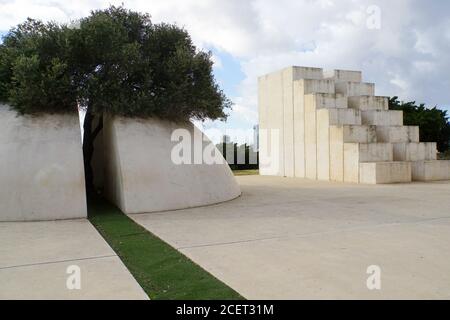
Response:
column 34, row 71
column 116, row 61
column 433, row 122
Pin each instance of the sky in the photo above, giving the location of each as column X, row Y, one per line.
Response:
column 403, row 46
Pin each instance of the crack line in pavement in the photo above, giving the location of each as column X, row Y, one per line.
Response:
column 310, row 234
column 55, row 262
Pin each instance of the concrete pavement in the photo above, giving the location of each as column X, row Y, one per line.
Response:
column 34, row 257
column 288, row 238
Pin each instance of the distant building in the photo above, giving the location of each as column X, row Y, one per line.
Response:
column 226, row 139
column 256, row 137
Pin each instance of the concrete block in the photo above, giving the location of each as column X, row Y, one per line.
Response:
column 336, row 153
column 288, row 124
column 317, row 86
column 328, row 100
column 350, row 89
column 306, row 73
column 299, row 129
column 326, row 118
column 382, row 117
column 300, row 89
column 368, row 103
column 351, row 162
column 41, row 167
column 384, row 172
column 431, row 170
column 271, row 119
column 142, row 176
column 345, row 134
column 396, row 134
column 355, row 133
column 415, row 151
column 355, row 153
column 372, row 152
column 341, row 116
column 310, row 137
column 341, row 101
column 343, row 75
column 323, row 146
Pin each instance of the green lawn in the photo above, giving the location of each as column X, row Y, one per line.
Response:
column 162, row 271
column 246, row 172
column 444, row 156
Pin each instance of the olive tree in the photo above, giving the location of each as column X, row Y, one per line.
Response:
column 114, row 61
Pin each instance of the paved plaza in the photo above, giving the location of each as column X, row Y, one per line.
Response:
column 290, row 238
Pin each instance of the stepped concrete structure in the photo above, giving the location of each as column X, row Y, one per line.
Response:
column 41, row 167
column 330, row 125
column 140, row 175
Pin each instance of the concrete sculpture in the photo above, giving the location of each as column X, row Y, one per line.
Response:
column 141, row 176
column 41, row 167
column 330, row 126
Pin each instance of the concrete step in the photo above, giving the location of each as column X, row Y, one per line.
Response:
column 343, row 75
column 397, row 134
column 330, row 149
column 430, row 170
column 307, row 73
column 355, row 153
column 329, row 117
column 316, row 86
column 370, row 152
column 353, row 134
column 368, row 103
column 350, row 89
column 326, row 101
column 382, row 117
column 385, row 172
column 414, row 151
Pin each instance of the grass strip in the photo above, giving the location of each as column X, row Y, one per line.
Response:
column 249, row 172
column 162, row 271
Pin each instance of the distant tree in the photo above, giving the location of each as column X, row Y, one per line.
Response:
column 114, row 61
column 239, row 157
column 433, row 122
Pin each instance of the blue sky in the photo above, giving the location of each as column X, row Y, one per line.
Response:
column 403, row 54
column 228, row 74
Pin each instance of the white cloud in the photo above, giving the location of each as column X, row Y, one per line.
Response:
column 216, row 61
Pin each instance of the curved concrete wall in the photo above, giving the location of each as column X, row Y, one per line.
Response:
column 41, row 167
column 140, row 175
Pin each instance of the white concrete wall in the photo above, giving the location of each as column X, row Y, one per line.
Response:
column 382, row 117
column 140, row 175
column 431, row 170
column 397, row 134
column 271, row 117
column 355, row 153
column 368, row 103
column 351, row 89
column 415, row 151
column 385, row 172
column 41, row 167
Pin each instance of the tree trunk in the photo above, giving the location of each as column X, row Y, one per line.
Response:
column 88, row 148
